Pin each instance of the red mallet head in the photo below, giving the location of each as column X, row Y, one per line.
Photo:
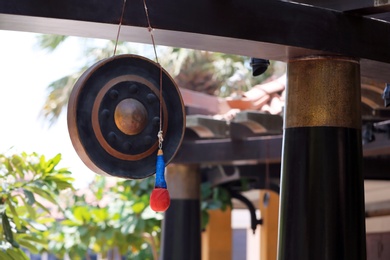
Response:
column 160, row 200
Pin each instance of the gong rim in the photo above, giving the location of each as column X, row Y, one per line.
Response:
column 98, row 141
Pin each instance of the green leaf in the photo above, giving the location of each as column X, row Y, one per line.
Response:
column 129, row 227
column 7, row 228
column 60, row 184
column 17, row 254
column 215, row 204
column 31, row 211
column 37, row 226
column 205, row 189
column 68, row 222
column 33, row 238
column 144, row 184
column 32, row 248
column 138, row 207
column 44, row 194
column 15, row 215
column 60, row 177
column 7, row 164
column 205, row 219
column 42, row 207
column 140, row 227
column 10, row 252
column 203, row 205
column 2, row 208
column 215, row 193
column 56, row 159
column 245, row 184
column 5, row 256
column 29, row 196
column 50, row 42
column 52, row 163
column 82, row 214
column 99, row 215
column 64, row 171
column 18, row 165
column 45, row 220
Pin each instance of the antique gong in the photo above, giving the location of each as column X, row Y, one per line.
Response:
column 120, row 112
column 114, row 114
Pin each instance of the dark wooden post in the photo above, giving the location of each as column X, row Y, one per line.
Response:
column 322, row 195
column 181, row 233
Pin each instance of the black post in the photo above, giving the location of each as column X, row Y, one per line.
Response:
column 181, row 230
column 322, row 194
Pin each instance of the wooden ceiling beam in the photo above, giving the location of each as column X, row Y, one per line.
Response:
column 341, row 5
column 225, row 151
column 373, row 169
column 262, row 149
column 265, row 29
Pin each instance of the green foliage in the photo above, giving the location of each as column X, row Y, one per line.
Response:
column 112, row 215
column 213, row 198
column 28, row 184
column 213, row 73
column 50, row 42
column 58, row 97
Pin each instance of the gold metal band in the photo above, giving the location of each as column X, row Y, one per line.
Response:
column 323, row 91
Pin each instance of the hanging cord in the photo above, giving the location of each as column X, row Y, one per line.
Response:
column 150, row 29
column 119, row 27
column 160, row 132
column 159, row 199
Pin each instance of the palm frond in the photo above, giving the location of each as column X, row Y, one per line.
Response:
column 58, row 97
column 50, row 42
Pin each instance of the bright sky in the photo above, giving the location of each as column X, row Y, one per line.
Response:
column 25, row 72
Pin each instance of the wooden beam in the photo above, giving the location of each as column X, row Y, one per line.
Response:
column 340, row 5
column 217, row 238
column 259, row 150
column 373, row 169
column 357, row 7
column 217, row 151
column 376, row 168
column 267, row 29
column 269, row 209
column 381, row 146
column 208, row 104
column 251, row 123
column 207, row 127
column 378, row 209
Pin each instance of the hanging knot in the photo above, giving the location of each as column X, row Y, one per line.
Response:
column 160, row 138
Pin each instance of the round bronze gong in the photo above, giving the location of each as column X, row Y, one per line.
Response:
column 114, row 116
